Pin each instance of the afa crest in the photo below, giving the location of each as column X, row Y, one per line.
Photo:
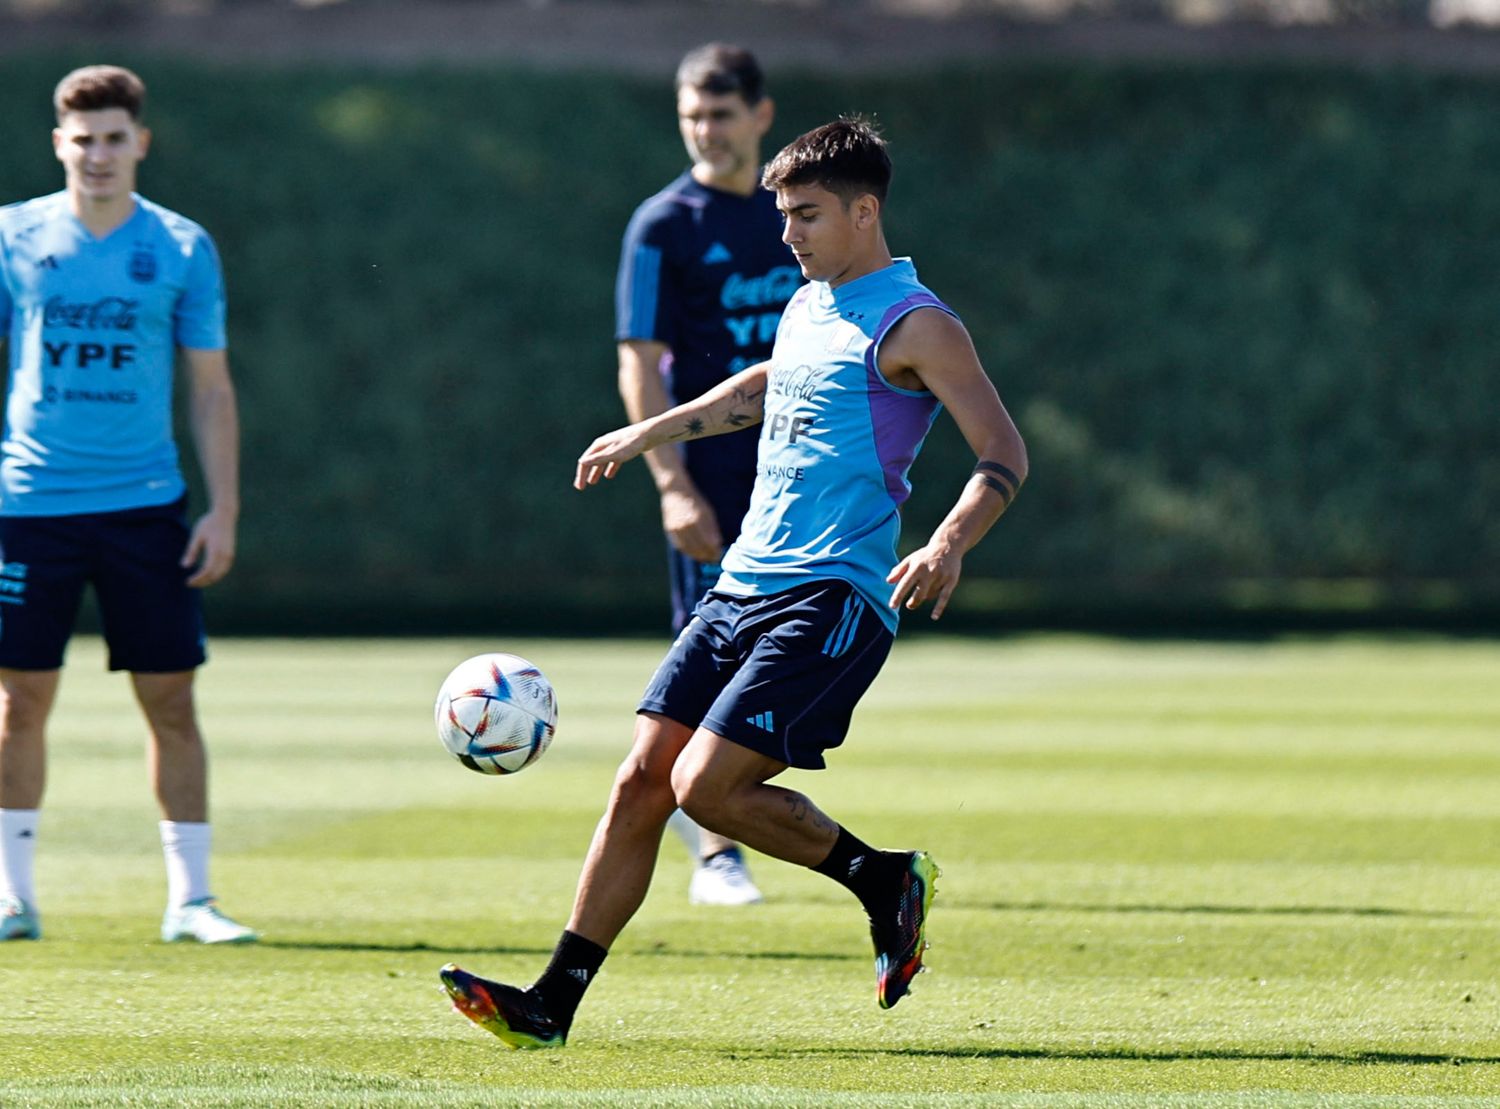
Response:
column 142, row 266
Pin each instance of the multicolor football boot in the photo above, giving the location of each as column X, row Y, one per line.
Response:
column 515, row 1016
column 901, row 937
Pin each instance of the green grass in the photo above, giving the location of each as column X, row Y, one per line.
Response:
column 1176, row 874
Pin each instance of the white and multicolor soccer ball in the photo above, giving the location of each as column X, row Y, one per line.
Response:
column 496, row 713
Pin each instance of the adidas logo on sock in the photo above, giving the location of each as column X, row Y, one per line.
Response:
column 580, row 974
column 854, row 865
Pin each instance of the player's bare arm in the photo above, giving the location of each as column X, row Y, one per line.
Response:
column 739, row 401
column 686, row 516
column 214, row 419
column 931, row 350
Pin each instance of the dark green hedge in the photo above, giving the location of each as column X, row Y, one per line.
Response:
column 1244, row 318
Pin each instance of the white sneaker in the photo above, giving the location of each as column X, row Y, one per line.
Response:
column 723, row 880
column 18, row 920
column 202, row 921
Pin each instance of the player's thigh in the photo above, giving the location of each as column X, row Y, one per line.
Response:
column 700, row 663
column 793, row 697
column 44, row 566
column 153, row 621
column 711, row 768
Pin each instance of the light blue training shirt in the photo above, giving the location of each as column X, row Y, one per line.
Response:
column 836, row 444
column 93, row 326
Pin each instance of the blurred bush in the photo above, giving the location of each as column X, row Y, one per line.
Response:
column 1243, row 319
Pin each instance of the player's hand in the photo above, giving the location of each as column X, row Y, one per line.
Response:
column 691, row 525
column 607, row 454
column 929, row 574
column 210, row 549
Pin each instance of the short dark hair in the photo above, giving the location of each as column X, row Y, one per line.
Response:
column 96, row 87
column 847, row 157
column 720, row 68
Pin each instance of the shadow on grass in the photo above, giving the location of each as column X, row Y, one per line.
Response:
column 1125, row 1054
column 418, row 946
column 1206, row 910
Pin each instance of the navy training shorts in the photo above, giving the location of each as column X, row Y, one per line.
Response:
column 691, row 581
column 779, row 674
column 152, row 620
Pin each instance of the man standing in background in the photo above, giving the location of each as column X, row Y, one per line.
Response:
column 100, row 292
column 703, row 279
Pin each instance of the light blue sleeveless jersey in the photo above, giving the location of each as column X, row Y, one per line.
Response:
column 93, row 326
column 836, row 444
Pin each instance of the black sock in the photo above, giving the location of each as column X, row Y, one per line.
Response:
column 867, row 873
column 574, row 963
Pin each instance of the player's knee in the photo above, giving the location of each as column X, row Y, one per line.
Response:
column 640, row 785
column 698, row 794
column 24, row 706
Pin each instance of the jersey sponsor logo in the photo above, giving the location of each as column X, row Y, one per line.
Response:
column 759, row 328
column 716, row 254
column 117, row 356
column 792, row 427
column 52, row 395
column 775, row 286
column 105, row 314
column 781, row 473
column 142, row 266
column 801, row 383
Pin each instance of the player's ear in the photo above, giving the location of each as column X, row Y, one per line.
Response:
column 866, row 210
column 765, row 115
column 143, row 140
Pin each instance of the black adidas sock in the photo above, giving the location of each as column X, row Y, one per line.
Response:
column 574, row 963
column 867, row 873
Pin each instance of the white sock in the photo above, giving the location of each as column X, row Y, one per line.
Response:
column 185, row 845
column 687, row 830
column 18, row 853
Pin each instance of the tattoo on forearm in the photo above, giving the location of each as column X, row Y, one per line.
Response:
column 742, row 403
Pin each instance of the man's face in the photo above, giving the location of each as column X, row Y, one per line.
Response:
column 820, row 229
column 100, row 152
column 721, row 132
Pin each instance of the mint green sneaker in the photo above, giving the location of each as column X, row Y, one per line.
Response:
column 18, row 920
column 202, row 922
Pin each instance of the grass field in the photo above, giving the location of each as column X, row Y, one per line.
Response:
column 1176, row 874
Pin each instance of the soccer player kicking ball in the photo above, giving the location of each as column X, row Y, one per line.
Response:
column 768, row 671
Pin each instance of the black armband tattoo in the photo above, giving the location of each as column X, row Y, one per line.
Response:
column 1008, row 483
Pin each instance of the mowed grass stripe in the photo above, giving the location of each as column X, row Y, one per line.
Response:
column 1237, row 873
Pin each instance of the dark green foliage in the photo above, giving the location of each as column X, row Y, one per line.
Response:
column 1244, row 319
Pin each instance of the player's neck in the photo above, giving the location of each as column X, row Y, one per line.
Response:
column 741, row 183
column 877, row 257
column 101, row 216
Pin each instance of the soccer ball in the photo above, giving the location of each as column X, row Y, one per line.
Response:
column 496, row 713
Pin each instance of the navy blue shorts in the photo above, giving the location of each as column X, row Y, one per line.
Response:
column 152, row 620
column 780, row 674
column 691, row 581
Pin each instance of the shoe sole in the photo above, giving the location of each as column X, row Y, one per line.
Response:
column 891, row 987
column 472, row 1000
column 236, row 941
